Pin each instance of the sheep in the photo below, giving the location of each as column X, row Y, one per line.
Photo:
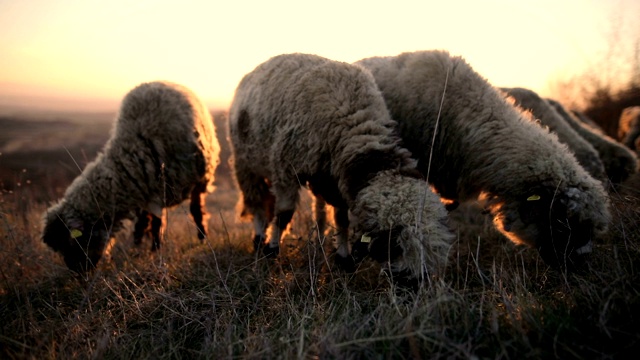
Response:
column 629, row 128
column 301, row 119
column 584, row 151
column 619, row 161
column 471, row 143
column 162, row 150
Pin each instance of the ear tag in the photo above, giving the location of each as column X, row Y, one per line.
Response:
column 365, row 238
column 75, row 233
column 533, row 198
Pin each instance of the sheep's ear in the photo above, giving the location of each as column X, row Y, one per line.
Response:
column 75, row 233
column 539, row 203
column 75, row 224
column 534, row 205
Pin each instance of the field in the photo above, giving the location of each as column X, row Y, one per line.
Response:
column 217, row 300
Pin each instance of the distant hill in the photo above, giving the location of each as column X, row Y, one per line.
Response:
column 51, row 148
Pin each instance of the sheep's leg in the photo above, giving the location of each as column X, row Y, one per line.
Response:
column 258, row 202
column 343, row 257
column 320, row 215
column 156, row 228
column 341, row 219
column 280, row 225
column 141, row 227
column 198, row 210
column 284, row 207
column 262, row 216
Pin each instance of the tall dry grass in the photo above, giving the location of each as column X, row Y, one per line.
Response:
column 217, row 300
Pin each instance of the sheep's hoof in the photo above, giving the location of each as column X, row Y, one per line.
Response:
column 155, row 246
column 345, row 263
column 271, row 252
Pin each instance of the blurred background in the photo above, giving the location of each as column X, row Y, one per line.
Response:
column 66, row 64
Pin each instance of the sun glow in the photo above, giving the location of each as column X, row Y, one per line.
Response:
column 83, row 50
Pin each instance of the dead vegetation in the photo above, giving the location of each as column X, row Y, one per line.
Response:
column 217, row 300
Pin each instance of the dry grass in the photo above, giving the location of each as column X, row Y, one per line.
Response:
column 217, row 300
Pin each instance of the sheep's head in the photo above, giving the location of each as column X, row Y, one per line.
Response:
column 399, row 220
column 80, row 244
column 560, row 223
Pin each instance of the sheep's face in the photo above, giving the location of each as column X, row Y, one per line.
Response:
column 559, row 225
column 382, row 245
column 400, row 221
column 81, row 249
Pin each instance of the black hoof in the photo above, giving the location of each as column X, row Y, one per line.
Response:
column 271, row 252
column 346, row 264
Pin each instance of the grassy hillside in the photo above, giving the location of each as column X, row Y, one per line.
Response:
column 217, row 300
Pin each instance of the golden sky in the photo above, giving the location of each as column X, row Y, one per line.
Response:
column 77, row 54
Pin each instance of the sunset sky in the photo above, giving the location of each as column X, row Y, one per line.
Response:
column 86, row 54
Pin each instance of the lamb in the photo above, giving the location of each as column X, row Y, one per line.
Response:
column 300, row 119
column 619, row 161
column 471, row 142
column 584, row 151
column 629, row 128
column 162, row 150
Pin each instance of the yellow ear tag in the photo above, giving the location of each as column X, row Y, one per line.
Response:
column 365, row 238
column 533, row 198
column 75, row 233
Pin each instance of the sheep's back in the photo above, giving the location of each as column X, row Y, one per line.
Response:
column 165, row 136
column 544, row 113
column 304, row 111
column 481, row 138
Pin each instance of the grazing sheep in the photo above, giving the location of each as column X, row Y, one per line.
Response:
column 302, row 119
column 619, row 161
column 162, row 151
column 470, row 141
column 629, row 128
column 585, row 153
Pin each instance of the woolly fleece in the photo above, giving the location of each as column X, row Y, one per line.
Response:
column 299, row 119
column 545, row 115
column 162, row 150
column 619, row 161
column 535, row 189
